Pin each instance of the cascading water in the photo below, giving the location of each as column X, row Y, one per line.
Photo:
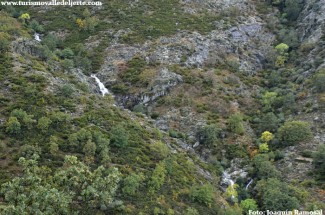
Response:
column 226, row 179
column 101, row 86
column 249, row 183
column 37, row 37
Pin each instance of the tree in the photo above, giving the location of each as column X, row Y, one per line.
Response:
column 72, row 187
column 66, row 90
column 80, row 23
column 282, row 50
column 294, row 132
column 67, row 65
column 89, row 150
column 13, row 126
column 24, row 17
column 208, row 134
column 36, row 26
column 248, row 204
column 44, row 124
column 263, row 147
column 44, row 52
column 293, row 8
column 269, row 122
column 267, row 136
column 290, row 37
column 67, row 53
column 158, row 177
column 30, row 193
column 268, row 99
column 160, row 150
column 264, row 168
column 276, row 195
column 91, row 188
column 86, row 13
column 235, row 123
column 23, row 117
column 51, row 41
column 91, row 23
column 54, row 147
column 132, row 183
column 202, row 194
column 231, row 192
column 119, row 137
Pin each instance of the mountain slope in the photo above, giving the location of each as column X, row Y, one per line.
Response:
column 213, row 107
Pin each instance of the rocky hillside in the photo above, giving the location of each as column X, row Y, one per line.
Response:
column 162, row 107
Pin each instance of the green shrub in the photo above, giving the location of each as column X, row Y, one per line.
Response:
column 208, row 134
column 235, row 151
column 119, row 136
column 290, row 37
column 13, row 126
column 139, row 108
column 67, row 65
column 132, row 183
column 67, row 53
column 43, row 124
column 134, row 68
column 191, row 211
column 235, row 123
column 202, row 194
column 276, row 195
column 293, row 8
column 158, row 177
column 294, row 132
column 51, row 41
column 36, row 26
column 89, row 150
column 264, row 168
column 66, row 90
column 248, row 204
column 159, row 150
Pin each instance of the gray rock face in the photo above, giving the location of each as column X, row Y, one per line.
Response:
column 247, row 43
column 243, row 47
column 311, row 25
column 27, row 46
column 312, row 21
column 196, row 6
column 162, row 83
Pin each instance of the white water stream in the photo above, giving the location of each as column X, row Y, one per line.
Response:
column 37, row 37
column 249, row 183
column 101, row 86
column 227, row 180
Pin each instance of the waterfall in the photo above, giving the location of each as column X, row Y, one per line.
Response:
column 37, row 37
column 249, row 183
column 101, row 86
column 227, row 180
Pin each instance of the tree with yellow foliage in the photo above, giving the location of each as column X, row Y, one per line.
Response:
column 265, row 137
column 80, row 23
column 24, row 17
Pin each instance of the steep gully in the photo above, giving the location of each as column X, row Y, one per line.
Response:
column 226, row 177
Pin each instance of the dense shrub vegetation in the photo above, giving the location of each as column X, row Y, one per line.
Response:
column 66, row 150
column 294, row 132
